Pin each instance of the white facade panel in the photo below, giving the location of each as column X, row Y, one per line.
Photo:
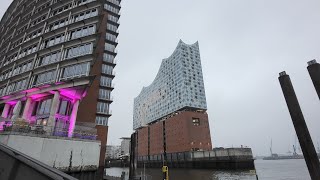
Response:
column 178, row 84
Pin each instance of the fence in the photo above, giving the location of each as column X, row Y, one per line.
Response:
column 217, row 153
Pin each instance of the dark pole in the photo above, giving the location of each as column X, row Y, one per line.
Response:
column 314, row 71
column 300, row 126
column 133, row 157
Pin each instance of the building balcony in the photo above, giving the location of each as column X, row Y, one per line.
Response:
column 115, row 2
column 108, row 114
column 107, row 99
column 109, row 61
column 25, row 128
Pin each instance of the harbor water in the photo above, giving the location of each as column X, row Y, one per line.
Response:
column 294, row 169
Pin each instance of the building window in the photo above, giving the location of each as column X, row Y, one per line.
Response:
column 50, row 58
column 85, row 15
column 111, row 37
column 111, row 9
column 44, row 107
column 196, row 121
column 104, row 94
column 112, row 28
column 107, row 69
column 108, row 58
column 110, row 47
column 105, row 81
column 103, row 108
column 82, row 2
column 74, row 71
column 65, row 107
column 57, row 24
column 102, row 121
column 21, row 85
column 53, row 41
column 79, row 50
column 46, row 77
column 85, row 31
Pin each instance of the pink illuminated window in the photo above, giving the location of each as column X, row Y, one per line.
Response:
column 65, row 107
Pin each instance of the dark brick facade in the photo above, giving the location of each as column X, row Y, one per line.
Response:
column 143, row 142
column 181, row 134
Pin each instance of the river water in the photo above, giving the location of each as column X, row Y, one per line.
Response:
column 294, row 169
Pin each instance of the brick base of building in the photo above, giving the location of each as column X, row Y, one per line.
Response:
column 182, row 132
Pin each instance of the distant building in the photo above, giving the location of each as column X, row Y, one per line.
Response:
column 113, row 152
column 125, row 146
column 170, row 114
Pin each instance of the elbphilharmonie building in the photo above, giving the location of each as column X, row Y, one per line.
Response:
column 178, row 85
column 56, row 66
column 169, row 115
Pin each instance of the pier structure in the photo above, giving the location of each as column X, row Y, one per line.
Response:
column 300, row 126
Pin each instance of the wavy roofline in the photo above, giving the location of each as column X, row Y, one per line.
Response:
column 11, row 6
column 196, row 44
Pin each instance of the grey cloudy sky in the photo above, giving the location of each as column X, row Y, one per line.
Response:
column 244, row 44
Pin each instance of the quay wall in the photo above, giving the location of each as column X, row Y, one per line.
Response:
column 219, row 158
column 67, row 155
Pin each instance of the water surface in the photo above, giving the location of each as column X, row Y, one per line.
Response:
column 294, row 169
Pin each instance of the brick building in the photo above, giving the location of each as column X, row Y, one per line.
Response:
column 170, row 114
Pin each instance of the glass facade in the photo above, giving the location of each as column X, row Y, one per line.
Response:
column 178, row 84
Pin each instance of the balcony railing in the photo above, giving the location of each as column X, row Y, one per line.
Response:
column 41, row 130
column 116, row 2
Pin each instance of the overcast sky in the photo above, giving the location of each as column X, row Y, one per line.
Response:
column 244, row 44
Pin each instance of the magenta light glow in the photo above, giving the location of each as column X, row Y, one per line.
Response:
column 62, row 117
column 58, row 83
column 1, row 125
column 72, row 94
column 31, row 90
column 6, row 111
column 84, row 94
column 12, row 103
column 73, row 118
column 5, row 97
column 37, row 96
column 32, row 119
column 72, row 123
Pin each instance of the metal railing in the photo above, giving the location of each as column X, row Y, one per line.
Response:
column 16, row 165
column 40, row 130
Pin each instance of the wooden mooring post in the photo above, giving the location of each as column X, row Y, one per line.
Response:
column 308, row 149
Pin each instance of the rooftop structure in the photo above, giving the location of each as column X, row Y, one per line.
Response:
column 178, row 85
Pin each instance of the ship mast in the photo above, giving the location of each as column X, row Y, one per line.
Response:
column 271, row 148
column 294, row 150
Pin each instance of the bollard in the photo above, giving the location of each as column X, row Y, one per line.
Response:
column 165, row 171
